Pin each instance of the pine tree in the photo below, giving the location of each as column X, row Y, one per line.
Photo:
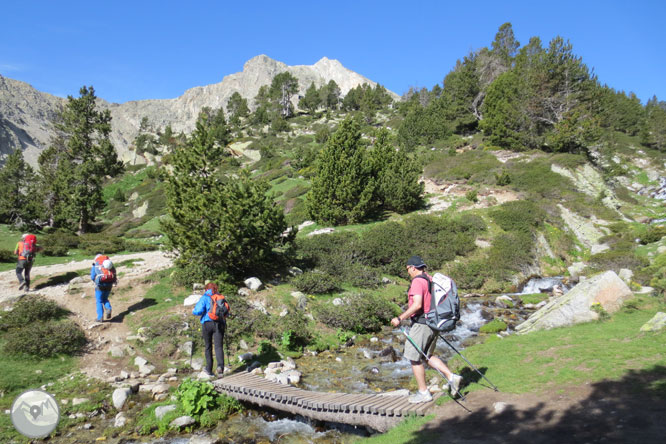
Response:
column 19, row 204
column 343, row 188
column 397, row 175
column 283, row 87
column 78, row 162
column 311, row 100
column 218, row 226
column 237, row 108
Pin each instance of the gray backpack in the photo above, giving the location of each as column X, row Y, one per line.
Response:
column 444, row 309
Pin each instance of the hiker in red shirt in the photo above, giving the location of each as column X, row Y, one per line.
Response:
column 25, row 249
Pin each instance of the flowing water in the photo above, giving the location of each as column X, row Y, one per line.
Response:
column 369, row 366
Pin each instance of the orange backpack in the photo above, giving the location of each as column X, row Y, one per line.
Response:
column 219, row 309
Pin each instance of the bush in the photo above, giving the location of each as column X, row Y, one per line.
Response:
column 99, row 243
column 360, row 313
column 520, row 215
column 31, row 309
column 471, row 275
column 7, row 256
column 59, row 243
column 316, row 282
column 136, row 246
column 617, row 258
column 472, row 196
column 45, row 339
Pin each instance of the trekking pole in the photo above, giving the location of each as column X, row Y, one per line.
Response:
column 462, row 397
column 470, row 364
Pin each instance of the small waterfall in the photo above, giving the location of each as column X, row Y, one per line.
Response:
column 543, row 285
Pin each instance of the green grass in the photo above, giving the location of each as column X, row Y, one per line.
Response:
column 533, row 298
column 547, row 360
column 19, row 374
column 405, row 432
column 583, row 353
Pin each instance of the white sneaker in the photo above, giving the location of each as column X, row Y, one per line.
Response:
column 420, row 397
column 454, row 384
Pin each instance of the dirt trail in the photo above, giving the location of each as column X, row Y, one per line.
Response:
column 78, row 296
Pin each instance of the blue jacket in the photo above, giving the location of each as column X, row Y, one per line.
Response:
column 203, row 306
column 93, row 275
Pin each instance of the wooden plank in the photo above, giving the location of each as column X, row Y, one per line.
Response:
column 393, row 407
column 381, row 403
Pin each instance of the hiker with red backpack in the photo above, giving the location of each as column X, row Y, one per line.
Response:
column 26, row 249
column 213, row 309
column 103, row 274
column 422, row 338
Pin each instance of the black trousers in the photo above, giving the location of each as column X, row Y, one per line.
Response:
column 23, row 267
column 213, row 334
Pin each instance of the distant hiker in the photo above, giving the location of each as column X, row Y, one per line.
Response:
column 423, row 336
column 25, row 249
column 103, row 274
column 213, row 309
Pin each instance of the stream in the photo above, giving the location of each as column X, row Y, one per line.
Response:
column 370, row 365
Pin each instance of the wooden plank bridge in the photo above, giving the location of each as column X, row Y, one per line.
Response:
column 379, row 412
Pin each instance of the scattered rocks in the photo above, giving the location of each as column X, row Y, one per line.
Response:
column 321, row 231
column 626, row 275
column 337, row 302
column 246, row 357
column 120, row 420
column 244, row 292
column 197, row 363
column 295, row 271
column 78, row 401
column 243, row 345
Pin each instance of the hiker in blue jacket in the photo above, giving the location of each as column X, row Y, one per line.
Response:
column 101, row 267
column 212, row 331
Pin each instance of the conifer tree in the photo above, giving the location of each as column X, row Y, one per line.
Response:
column 343, row 188
column 283, row 87
column 78, row 162
column 237, row 108
column 219, row 227
column 398, row 176
column 311, row 100
column 19, row 204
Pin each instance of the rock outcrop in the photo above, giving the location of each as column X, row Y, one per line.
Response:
column 576, row 306
column 26, row 114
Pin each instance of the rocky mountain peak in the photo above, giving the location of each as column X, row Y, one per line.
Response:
column 25, row 113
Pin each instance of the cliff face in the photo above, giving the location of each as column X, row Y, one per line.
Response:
column 26, row 114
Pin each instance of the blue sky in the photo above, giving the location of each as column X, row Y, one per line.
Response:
column 144, row 49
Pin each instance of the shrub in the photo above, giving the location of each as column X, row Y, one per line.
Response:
column 361, row 313
column 30, row 309
column 7, row 256
column 617, row 258
column 472, row 196
column 136, row 246
column 510, row 252
column 45, row 339
column 520, row 215
column 469, row 275
column 59, row 243
column 94, row 243
column 330, row 253
column 314, row 282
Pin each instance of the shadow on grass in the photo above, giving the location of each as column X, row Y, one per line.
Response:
column 144, row 303
column 58, row 279
column 630, row 410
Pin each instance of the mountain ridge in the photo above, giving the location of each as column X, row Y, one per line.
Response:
column 26, row 113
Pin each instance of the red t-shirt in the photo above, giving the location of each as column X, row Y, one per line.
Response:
column 419, row 286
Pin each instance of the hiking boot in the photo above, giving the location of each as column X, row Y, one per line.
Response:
column 420, row 397
column 454, row 384
column 219, row 371
column 107, row 314
column 22, row 286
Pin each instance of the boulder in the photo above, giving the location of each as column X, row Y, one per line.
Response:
column 657, row 322
column 182, row 421
column 606, row 289
column 120, row 396
column 626, row 275
column 191, row 300
column 575, row 270
column 253, row 284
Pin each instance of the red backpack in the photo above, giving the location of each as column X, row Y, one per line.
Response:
column 104, row 275
column 29, row 246
column 219, row 309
